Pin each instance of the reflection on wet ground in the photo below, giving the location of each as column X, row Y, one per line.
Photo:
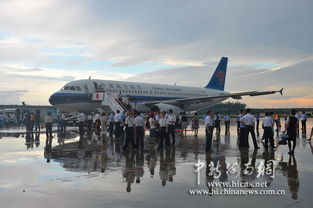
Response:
column 38, row 172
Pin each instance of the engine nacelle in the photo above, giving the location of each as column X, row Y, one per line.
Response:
column 165, row 107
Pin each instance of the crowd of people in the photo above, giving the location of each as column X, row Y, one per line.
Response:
column 164, row 126
column 248, row 123
column 132, row 125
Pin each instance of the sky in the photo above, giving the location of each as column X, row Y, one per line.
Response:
column 45, row 44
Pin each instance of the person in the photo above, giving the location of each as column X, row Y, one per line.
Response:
column 298, row 117
column 123, row 117
column 163, row 123
column 152, row 124
column 63, row 122
column 2, row 120
column 171, row 126
column 139, row 123
column 285, row 118
column 195, row 124
column 267, row 125
column 278, row 124
column 104, row 126
column 89, row 123
column 275, row 118
column 32, row 121
column 184, row 122
column 249, row 122
column 111, row 124
column 129, row 130
column 217, row 122
column 209, row 127
column 81, row 118
column 239, row 115
column 48, row 124
column 303, row 122
column 227, row 123
column 117, row 123
column 243, row 143
column 257, row 118
column 97, row 123
column 291, row 129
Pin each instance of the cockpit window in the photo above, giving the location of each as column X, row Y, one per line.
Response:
column 72, row 88
column 78, row 88
column 65, row 88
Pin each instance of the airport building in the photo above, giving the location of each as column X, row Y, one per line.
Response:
column 42, row 109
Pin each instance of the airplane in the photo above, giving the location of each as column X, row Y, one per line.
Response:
column 146, row 97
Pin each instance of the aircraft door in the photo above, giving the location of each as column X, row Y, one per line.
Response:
column 91, row 88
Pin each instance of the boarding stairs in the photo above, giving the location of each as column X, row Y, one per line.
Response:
column 109, row 100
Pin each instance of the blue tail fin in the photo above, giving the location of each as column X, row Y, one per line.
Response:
column 217, row 81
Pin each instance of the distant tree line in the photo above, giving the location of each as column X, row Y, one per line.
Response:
column 234, row 107
column 227, row 107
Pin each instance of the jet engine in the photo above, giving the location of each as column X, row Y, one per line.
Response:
column 165, row 107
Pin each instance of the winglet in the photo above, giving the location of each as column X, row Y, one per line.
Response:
column 281, row 91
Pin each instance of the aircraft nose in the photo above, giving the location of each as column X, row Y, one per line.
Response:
column 53, row 98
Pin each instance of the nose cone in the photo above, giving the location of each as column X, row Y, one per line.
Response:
column 53, row 99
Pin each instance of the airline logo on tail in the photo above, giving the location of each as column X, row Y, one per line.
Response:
column 221, row 77
column 217, row 81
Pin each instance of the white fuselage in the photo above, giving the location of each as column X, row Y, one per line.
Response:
column 76, row 95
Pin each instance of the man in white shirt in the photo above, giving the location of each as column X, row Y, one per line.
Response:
column 171, row 127
column 209, row 127
column 249, row 121
column 239, row 115
column 97, row 116
column 153, row 127
column 139, row 123
column 117, row 124
column 129, row 124
column 217, row 123
column 268, row 124
column 89, row 123
column 81, row 118
column 48, row 123
column 243, row 142
column 303, row 122
column 163, row 125
column 227, row 123
column 63, row 122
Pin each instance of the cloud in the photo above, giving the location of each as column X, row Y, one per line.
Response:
column 11, row 96
column 40, row 83
column 133, row 32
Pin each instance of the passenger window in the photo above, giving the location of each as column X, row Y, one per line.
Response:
column 78, row 88
column 72, row 88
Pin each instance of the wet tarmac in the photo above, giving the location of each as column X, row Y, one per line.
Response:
column 86, row 173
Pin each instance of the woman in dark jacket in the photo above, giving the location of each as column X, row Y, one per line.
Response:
column 291, row 128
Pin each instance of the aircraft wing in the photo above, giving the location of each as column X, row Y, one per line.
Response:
column 208, row 98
